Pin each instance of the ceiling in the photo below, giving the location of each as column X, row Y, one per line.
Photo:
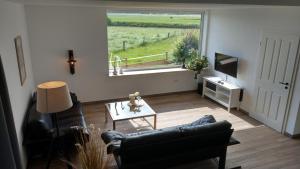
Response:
column 186, row 2
column 239, row 2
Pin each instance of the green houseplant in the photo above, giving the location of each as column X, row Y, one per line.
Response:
column 181, row 52
column 197, row 62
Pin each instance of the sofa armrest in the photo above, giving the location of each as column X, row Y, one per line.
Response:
column 233, row 141
column 114, row 147
column 111, row 135
column 37, row 130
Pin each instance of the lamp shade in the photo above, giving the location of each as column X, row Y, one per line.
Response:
column 53, row 97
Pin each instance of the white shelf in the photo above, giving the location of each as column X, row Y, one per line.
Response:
column 223, row 99
column 226, row 85
column 211, row 95
column 225, row 94
column 210, row 90
column 223, row 91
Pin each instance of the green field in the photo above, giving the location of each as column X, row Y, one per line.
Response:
column 160, row 47
column 154, row 20
column 144, row 41
column 134, row 36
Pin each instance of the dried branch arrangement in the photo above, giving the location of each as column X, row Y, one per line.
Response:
column 91, row 150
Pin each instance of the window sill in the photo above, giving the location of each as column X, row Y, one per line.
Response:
column 144, row 72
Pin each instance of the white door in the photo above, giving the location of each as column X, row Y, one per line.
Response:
column 274, row 75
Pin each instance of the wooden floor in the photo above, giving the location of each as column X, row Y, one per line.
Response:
column 260, row 148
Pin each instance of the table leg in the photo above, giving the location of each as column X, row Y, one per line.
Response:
column 154, row 121
column 114, row 125
column 106, row 112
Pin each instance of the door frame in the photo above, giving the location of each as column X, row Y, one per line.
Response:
column 292, row 89
column 9, row 117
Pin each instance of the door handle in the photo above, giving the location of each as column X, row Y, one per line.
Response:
column 284, row 83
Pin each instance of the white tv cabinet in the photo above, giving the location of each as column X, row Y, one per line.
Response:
column 222, row 92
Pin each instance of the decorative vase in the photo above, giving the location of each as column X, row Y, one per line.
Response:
column 115, row 72
column 183, row 64
column 121, row 70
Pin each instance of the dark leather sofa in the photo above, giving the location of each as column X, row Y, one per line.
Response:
column 163, row 148
column 39, row 129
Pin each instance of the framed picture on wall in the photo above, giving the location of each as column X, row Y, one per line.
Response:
column 20, row 59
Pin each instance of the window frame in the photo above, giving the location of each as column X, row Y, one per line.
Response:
column 202, row 40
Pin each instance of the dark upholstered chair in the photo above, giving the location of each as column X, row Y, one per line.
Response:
column 163, row 148
column 39, row 130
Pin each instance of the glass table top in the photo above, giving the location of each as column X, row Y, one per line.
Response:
column 121, row 110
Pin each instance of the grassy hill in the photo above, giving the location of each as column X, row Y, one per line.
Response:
column 166, row 21
column 141, row 40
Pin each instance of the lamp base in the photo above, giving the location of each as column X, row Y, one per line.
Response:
column 57, row 143
column 55, row 123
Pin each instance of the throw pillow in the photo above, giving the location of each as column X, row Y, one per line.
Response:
column 207, row 119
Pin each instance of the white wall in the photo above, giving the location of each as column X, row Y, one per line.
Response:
column 55, row 29
column 233, row 31
column 12, row 23
column 237, row 32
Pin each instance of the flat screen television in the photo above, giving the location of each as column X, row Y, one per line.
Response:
column 226, row 64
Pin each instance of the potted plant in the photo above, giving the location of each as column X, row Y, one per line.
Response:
column 197, row 62
column 181, row 53
column 91, row 151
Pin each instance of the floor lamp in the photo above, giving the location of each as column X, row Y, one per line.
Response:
column 53, row 97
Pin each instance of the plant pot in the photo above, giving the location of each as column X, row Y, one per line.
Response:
column 197, row 73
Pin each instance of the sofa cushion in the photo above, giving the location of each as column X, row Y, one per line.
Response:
column 149, row 141
column 208, row 128
column 207, row 119
column 158, row 142
column 206, row 135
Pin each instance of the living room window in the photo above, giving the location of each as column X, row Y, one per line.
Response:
column 151, row 40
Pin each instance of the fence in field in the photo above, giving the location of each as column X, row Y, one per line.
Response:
column 168, row 35
column 125, row 60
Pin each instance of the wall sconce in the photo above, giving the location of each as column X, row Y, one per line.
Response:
column 71, row 61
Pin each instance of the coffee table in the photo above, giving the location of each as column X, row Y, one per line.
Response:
column 120, row 111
